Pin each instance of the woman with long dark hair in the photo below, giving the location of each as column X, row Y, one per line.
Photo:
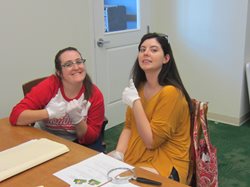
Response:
column 156, row 135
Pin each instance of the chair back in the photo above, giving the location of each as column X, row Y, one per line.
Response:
column 28, row 85
column 105, row 122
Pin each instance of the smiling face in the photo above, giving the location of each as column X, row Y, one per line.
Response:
column 72, row 67
column 151, row 56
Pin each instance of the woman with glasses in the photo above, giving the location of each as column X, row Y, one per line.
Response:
column 66, row 104
column 156, row 135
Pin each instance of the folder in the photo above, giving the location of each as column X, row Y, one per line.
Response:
column 27, row 155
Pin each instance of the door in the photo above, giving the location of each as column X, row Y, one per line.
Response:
column 119, row 25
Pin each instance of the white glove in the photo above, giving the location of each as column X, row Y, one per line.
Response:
column 85, row 109
column 77, row 110
column 56, row 110
column 85, row 105
column 130, row 94
column 117, row 155
column 74, row 109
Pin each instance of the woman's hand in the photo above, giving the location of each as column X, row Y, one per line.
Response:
column 75, row 109
column 117, row 155
column 130, row 94
column 56, row 110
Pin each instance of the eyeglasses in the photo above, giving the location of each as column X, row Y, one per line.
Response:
column 70, row 63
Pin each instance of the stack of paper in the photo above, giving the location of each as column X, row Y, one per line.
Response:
column 27, row 155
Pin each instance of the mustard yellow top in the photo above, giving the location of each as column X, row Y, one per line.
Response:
column 168, row 114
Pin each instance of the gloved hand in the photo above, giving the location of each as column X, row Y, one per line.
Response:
column 56, row 109
column 117, row 155
column 130, row 94
column 85, row 105
column 75, row 109
column 85, row 109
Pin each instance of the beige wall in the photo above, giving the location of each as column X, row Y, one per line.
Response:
column 31, row 33
column 211, row 47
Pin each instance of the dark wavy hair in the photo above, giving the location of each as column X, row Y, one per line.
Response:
column 168, row 75
column 87, row 82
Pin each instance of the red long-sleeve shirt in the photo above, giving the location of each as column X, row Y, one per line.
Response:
column 39, row 97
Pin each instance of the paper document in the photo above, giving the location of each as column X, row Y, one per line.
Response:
column 92, row 172
column 27, row 155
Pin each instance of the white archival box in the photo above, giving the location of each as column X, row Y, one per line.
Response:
column 28, row 155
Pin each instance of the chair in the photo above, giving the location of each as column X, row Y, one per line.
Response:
column 105, row 122
column 29, row 85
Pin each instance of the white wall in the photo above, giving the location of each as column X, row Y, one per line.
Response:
column 31, row 34
column 247, row 60
column 247, row 48
column 209, row 40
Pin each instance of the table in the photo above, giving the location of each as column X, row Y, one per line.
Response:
column 42, row 175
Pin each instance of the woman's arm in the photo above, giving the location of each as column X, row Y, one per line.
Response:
column 142, row 124
column 30, row 116
column 81, row 128
column 122, row 145
column 31, row 108
column 89, row 129
column 130, row 97
column 54, row 109
column 123, row 140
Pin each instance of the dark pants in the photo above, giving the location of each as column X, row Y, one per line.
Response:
column 174, row 175
column 97, row 145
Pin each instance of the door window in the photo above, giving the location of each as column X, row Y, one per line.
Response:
column 120, row 15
